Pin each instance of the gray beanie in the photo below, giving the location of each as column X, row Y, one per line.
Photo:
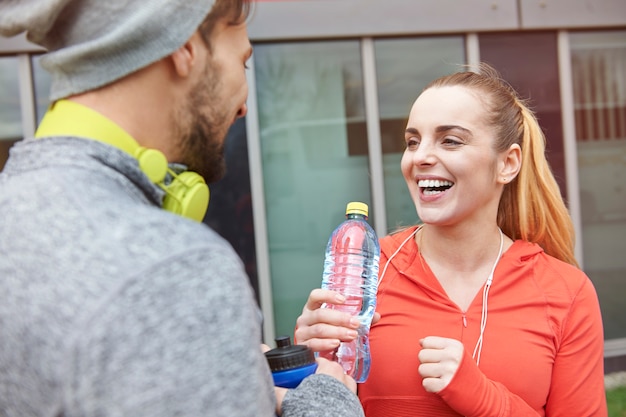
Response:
column 92, row 43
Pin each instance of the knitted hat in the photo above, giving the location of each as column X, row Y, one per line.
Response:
column 92, row 43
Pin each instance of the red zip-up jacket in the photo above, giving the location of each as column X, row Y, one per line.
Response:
column 543, row 344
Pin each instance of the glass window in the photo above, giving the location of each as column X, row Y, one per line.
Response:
column 10, row 111
column 599, row 83
column 42, row 80
column 314, row 156
column 403, row 68
column 528, row 61
column 230, row 207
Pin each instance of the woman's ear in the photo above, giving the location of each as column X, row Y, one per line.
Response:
column 185, row 57
column 510, row 164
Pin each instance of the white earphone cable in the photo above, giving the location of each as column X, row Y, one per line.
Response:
column 382, row 274
column 483, row 317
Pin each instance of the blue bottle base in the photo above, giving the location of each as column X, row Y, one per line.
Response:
column 291, row 378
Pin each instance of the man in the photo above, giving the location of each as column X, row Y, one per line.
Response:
column 112, row 306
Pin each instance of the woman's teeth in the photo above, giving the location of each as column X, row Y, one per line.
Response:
column 431, row 187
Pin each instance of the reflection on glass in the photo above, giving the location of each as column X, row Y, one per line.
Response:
column 42, row 81
column 230, row 208
column 404, row 67
column 528, row 61
column 314, row 155
column 598, row 68
column 10, row 111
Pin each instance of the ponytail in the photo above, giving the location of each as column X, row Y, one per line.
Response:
column 531, row 207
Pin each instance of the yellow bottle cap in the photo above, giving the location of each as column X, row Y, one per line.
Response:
column 356, row 207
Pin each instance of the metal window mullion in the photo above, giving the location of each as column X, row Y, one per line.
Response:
column 258, row 207
column 610, row 95
column 615, row 347
column 27, row 95
column 472, row 50
column 372, row 121
column 569, row 139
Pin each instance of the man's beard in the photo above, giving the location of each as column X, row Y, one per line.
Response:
column 202, row 139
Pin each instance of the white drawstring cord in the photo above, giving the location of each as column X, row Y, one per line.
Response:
column 382, row 274
column 483, row 317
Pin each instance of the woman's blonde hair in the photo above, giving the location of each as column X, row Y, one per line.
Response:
column 531, row 207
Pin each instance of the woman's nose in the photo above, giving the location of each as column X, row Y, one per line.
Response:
column 424, row 154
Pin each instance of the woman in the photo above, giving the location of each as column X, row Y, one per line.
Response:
column 483, row 311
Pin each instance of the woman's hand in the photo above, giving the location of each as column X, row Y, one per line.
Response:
column 322, row 329
column 439, row 358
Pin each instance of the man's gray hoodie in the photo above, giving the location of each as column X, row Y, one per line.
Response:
column 111, row 306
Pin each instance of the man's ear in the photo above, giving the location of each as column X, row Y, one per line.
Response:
column 185, row 57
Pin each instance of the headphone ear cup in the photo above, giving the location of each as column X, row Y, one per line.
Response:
column 152, row 163
column 187, row 195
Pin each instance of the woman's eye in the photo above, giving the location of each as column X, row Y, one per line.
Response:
column 451, row 141
column 412, row 143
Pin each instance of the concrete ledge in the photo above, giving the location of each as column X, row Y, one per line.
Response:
column 615, row 380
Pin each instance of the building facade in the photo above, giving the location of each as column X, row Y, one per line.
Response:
column 331, row 85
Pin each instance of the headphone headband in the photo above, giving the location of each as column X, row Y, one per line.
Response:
column 187, row 194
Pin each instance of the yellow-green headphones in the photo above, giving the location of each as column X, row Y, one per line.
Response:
column 186, row 194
